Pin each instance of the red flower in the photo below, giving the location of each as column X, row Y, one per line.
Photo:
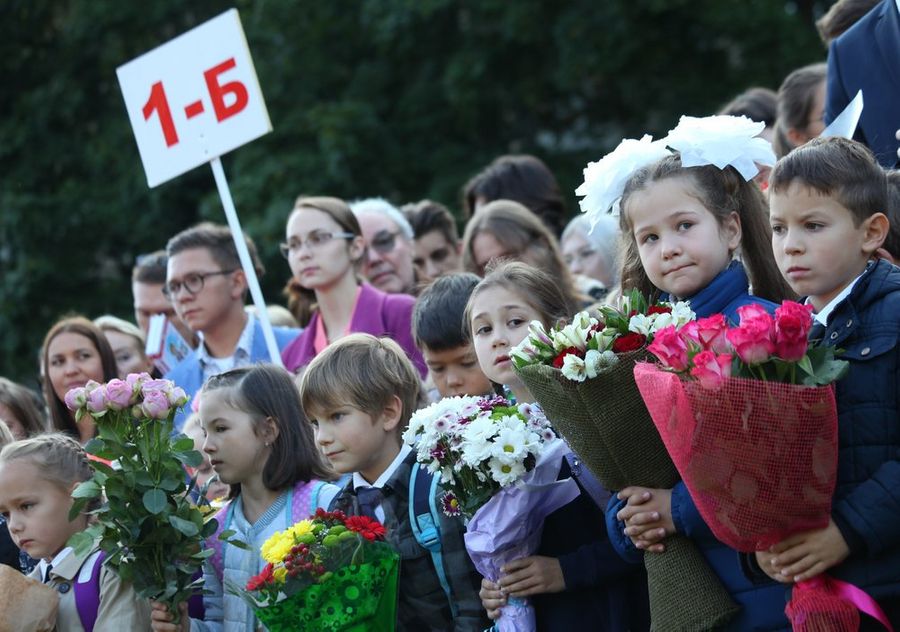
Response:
column 558, row 360
column 659, row 309
column 628, row 342
column 265, row 577
column 370, row 529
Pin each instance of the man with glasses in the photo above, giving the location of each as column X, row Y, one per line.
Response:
column 389, row 261
column 207, row 287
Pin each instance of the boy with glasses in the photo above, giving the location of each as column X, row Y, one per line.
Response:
column 207, row 287
column 389, row 260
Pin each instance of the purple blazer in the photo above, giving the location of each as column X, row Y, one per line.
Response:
column 376, row 313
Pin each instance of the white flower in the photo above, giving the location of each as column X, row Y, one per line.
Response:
column 595, row 364
column 682, row 313
column 505, row 473
column 604, row 180
column 524, row 352
column 573, row 368
column 641, row 324
column 721, row 141
column 479, row 429
column 661, row 321
column 510, row 444
column 591, row 358
column 537, row 332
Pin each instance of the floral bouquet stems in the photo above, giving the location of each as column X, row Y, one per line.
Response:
column 150, row 530
column 598, row 410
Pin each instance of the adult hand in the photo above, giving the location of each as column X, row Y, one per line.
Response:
column 534, row 575
column 161, row 620
column 491, row 598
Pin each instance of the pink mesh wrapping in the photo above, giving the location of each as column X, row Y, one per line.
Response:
column 759, row 458
column 817, row 606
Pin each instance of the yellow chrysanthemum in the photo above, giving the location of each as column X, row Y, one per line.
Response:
column 279, row 545
column 280, row 574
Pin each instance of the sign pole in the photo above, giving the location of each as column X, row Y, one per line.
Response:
column 255, row 292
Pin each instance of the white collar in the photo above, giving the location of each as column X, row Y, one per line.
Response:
column 823, row 314
column 359, row 481
column 55, row 562
column 244, row 343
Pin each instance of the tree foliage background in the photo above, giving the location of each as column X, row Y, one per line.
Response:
column 401, row 98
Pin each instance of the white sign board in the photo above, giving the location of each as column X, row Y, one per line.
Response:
column 194, row 98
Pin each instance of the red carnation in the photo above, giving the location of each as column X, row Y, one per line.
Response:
column 370, row 529
column 265, row 577
column 628, row 342
column 558, row 360
column 659, row 309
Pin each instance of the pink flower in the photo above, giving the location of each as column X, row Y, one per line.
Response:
column 164, row 386
column 792, row 324
column 690, row 333
column 711, row 333
column 76, row 398
column 120, row 394
column 710, row 369
column 670, row 348
column 177, row 397
column 96, row 400
column 754, row 339
column 155, row 405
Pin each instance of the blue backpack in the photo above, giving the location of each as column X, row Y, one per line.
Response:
column 426, row 525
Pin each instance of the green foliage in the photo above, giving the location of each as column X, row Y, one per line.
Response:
column 148, row 526
column 401, row 98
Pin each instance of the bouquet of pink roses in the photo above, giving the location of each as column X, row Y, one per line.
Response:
column 748, row 415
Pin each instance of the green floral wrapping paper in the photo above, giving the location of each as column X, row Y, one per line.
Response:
column 356, row 598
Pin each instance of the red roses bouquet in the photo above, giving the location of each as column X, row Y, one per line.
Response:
column 748, row 415
column 582, row 375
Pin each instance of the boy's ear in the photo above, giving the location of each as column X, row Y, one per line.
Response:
column 875, row 231
column 238, row 284
column 390, row 416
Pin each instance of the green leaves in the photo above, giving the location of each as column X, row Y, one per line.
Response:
column 186, row 527
column 155, row 500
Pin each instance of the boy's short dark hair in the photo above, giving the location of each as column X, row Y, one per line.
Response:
column 217, row 239
column 364, row 372
column 757, row 104
column 892, row 241
column 838, row 168
column 440, row 310
column 150, row 268
column 427, row 216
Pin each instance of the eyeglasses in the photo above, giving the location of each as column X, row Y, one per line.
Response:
column 384, row 241
column 193, row 282
column 315, row 239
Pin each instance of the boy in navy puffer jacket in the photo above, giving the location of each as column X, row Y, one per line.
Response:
column 827, row 201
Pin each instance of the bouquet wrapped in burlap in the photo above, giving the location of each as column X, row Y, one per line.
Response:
column 587, row 390
column 749, row 418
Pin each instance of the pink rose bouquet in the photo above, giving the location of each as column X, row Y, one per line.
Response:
column 748, row 415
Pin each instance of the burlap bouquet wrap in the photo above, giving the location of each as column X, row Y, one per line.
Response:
column 607, row 425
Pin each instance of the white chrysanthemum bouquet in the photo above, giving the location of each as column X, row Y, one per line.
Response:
column 477, row 445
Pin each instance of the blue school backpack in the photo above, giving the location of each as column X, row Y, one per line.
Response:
column 426, row 525
column 87, row 597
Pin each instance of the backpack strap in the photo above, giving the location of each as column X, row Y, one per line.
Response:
column 216, row 560
column 425, row 522
column 87, row 595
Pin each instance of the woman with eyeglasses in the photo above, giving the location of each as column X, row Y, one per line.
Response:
column 74, row 352
column 325, row 250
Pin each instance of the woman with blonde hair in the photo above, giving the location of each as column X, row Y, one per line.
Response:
column 128, row 344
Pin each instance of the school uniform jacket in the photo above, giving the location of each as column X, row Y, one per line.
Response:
column 423, row 603
column 120, row 608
